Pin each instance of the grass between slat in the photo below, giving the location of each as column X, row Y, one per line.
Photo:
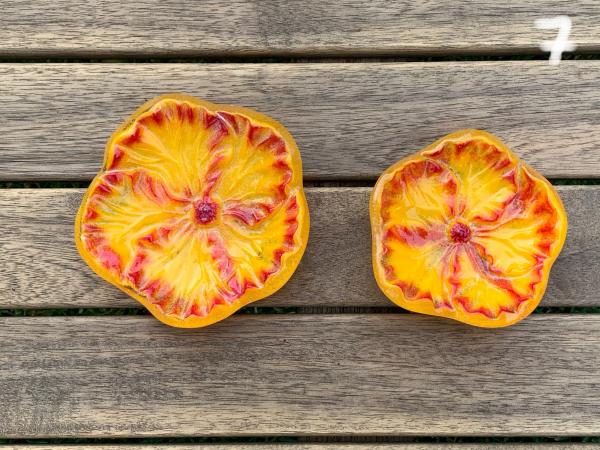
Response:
column 252, row 59
column 307, row 440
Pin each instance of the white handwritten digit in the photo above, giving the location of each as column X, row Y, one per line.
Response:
column 561, row 43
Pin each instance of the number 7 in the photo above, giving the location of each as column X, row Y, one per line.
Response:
column 561, row 43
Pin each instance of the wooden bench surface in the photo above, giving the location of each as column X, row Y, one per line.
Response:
column 299, row 374
column 329, row 357
column 350, row 120
column 304, row 27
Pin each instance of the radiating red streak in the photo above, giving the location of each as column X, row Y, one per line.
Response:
column 251, row 214
column 109, row 258
column 117, row 156
column 133, row 138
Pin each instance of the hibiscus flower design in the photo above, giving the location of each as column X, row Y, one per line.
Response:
column 198, row 211
column 465, row 230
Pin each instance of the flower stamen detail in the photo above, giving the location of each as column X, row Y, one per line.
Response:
column 205, row 212
column 460, row 233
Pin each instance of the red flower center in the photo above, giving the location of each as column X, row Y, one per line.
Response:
column 205, row 212
column 460, row 233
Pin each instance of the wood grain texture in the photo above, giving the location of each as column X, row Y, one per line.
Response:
column 305, row 27
column 351, row 121
column 295, row 374
column 40, row 267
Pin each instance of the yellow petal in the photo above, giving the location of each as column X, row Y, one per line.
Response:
column 178, row 270
column 484, row 174
column 179, row 142
column 481, row 290
column 257, row 250
column 121, row 207
column 421, row 272
column 524, row 236
column 254, row 180
column 419, row 195
column 413, row 255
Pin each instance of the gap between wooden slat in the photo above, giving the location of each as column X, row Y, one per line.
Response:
column 308, row 446
column 536, row 55
column 283, row 56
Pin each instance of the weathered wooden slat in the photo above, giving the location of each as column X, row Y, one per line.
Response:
column 351, row 121
column 40, row 268
column 170, row 27
column 296, row 374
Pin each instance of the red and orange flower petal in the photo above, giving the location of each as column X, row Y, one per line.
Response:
column 417, row 200
column 519, row 245
column 181, row 272
column 482, row 292
column 258, row 176
column 418, row 194
column 426, row 268
column 490, row 259
column 120, row 208
column 200, row 210
column 181, row 142
column 255, row 252
column 484, row 172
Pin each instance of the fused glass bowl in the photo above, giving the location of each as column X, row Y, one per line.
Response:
column 198, row 209
column 463, row 229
